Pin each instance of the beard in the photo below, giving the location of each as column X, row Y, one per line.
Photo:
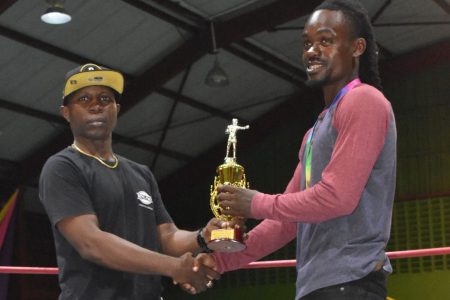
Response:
column 318, row 83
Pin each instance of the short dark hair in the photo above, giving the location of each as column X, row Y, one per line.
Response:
column 361, row 26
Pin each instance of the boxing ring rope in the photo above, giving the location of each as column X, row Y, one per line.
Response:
column 253, row 265
column 391, row 255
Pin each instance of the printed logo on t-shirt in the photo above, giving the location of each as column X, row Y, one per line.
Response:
column 145, row 200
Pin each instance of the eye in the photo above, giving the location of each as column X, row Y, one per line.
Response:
column 326, row 41
column 83, row 99
column 306, row 45
column 106, row 99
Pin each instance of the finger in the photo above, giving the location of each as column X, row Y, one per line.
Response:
column 186, row 286
column 190, row 289
column 208, row 261
column 214, row 222
column 227, row 188
column 232, row 212
column 223, row 196
column 211, row 274
column 196, row 264
column 226, row 204
column 224, row 209
column 228, row 209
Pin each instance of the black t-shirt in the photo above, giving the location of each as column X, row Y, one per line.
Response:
column 126, row 202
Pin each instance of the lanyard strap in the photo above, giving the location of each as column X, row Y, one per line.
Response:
column 308, row 147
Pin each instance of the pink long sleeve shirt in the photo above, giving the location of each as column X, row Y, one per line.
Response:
column 350, row 198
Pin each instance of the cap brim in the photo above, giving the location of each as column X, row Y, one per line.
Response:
column 107, row 78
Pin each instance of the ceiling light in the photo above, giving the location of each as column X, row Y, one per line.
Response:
column 216, row 77
column 55, row 14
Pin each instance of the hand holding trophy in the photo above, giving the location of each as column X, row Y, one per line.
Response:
column 228, row 173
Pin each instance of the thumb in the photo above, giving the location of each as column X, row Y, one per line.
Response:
column 196, row 265
column 208, row 261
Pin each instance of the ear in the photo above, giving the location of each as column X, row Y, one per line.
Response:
column 359, row 46
column 64, row 112
column 118, row 107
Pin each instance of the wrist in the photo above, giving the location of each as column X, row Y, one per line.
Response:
column 201, row 242
column 172, row 266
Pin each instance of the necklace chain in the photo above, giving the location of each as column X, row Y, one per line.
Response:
column 116, row 160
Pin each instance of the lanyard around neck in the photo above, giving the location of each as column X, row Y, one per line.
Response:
column 308, row 146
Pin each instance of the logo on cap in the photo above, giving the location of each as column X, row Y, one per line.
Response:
column 96, row 78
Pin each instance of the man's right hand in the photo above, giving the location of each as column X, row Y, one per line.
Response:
column 193, row 274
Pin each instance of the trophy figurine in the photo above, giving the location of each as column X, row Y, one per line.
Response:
column 230, row 172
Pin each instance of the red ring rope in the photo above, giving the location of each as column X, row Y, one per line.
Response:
column 391, row 255
column 253, row 265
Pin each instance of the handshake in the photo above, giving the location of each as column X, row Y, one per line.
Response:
column 195, row 274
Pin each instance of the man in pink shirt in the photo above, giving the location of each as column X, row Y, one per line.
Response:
column 338, row 203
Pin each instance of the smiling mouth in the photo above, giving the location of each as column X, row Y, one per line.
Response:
column 314, row 67
column 96, row 123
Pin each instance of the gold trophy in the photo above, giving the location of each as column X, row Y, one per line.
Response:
column 230, row 172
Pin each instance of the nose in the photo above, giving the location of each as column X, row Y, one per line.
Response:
column 95, row 105
column 313, row 49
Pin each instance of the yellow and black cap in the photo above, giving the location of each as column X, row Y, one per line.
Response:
column 92, row 74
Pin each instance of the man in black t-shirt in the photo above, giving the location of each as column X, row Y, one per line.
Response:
column 113, row 235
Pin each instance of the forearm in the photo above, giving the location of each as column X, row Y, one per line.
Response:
column 179, row 242
column 116, row 253
column 316, row 204
column 265, row 238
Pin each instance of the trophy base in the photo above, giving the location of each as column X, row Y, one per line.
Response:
column 227, row 240
column 226, row 245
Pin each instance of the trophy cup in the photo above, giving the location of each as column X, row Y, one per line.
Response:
column 230, row 172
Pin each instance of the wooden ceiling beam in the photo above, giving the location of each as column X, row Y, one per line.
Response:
column 195, row 103
column 261, row 19
column 444, row 5
column 268, row 62
column 380, row 11
column 165, row 16
column 5, row 4
column 25, row 110
column 40, row 45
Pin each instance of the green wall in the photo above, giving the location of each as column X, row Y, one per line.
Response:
column 425, row 285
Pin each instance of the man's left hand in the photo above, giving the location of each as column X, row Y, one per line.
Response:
column 235, row 201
